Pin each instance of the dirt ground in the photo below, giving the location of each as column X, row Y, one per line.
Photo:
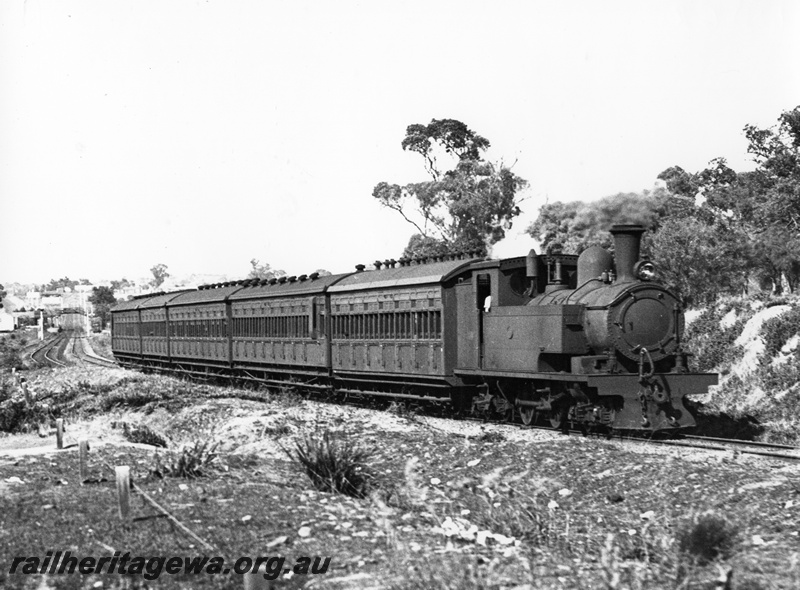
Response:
column 451, row 504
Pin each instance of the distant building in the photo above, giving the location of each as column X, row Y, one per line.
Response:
column 33, row 300
column 7, row 323
column 51, row 301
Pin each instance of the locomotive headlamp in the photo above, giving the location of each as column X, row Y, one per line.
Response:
column 645, row 270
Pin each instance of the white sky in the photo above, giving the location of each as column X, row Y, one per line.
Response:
column 203, row 134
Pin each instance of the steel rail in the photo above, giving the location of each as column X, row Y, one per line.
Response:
column 739, row 441
column 678, row 443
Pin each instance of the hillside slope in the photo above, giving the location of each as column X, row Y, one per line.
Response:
column 754, row 343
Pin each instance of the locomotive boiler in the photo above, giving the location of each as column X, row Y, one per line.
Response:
column 592, row 341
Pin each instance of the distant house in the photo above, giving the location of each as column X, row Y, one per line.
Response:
column 6, row 322
column 33, row 300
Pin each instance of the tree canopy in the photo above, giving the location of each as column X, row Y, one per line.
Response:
column 118, row 285
column 262, row 270
column 102, row 298
column 714, row 230
column 160, row 275
column 64, row 283
column 468, row 205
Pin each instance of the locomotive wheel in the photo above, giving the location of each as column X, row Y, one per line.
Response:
column 557, row 419
column 505, row 415
column 527, row 415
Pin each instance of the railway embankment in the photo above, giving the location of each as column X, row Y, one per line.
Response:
column 436, row 503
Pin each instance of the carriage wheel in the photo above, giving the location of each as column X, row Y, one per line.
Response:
column 528, row 415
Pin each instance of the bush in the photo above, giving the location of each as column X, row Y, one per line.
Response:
column 10, row 357
column 711, row 344
column 781, row 377
column 706, row 537
column 7, row 387
column 192, row 460
column 334, row 463
column 778, row 330
column 17, row 416
column 131, row 398
column 139, row 433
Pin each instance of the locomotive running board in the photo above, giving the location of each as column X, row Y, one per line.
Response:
column 676, row 385
column 523, row 375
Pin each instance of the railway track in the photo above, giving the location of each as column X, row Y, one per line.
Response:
column 49, row 353
column 709, row 443
column 86, row 356
column 745, row 447
column 729, row 445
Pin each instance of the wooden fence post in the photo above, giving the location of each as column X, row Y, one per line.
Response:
column 124, row 491
column 27, row 394
column 60, row 433
column 83, row 447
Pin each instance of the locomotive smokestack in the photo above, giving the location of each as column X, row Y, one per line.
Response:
column 627, row 239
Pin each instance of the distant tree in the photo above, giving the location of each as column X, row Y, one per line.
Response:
column 450, row 135
column 762, row 207
column 102, row 298
column 59, row 284
column 323, row 273
column 470, row 204
column 777, row 153
column 2, row 295
column 777, row 253
column 121, row 284
column 263, row 270
column 420, row 246
column 160, row 275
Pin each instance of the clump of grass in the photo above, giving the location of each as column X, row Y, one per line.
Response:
column 139, row 433
column 132, row 398
column 706, row 537
column 334, row 463
column 278, row 428
column 495, row 505
column 192, row 460
column 491, row 437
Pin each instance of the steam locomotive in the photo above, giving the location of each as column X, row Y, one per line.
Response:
column 591, row 341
